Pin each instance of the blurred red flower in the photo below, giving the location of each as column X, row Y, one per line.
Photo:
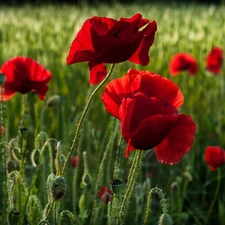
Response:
column 105, row 194
column 105, row 40
column 183, row 62
column 214, row 60
column 146, row 104
column 75, row 161
column 214, row 157
column 25, row 75
column 2, row 130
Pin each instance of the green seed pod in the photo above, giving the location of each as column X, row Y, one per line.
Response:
column 165, row 219
column 82, row 203
column 117, row 186
column 2, row 78
column 58, row 188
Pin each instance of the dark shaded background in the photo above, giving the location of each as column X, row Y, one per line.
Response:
column 37, row 2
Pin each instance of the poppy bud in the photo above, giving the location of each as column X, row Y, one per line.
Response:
column 86, row 180
column 58, row 188
column 188, row 176
column 53, row 101
column 174, row 186
column 2, row 78
column 117, row 186
column 165, row 219
column 2, row 130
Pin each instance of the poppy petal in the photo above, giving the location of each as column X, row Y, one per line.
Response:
column 183, row 62
column 178, row 142
column 214, row 60
column 134, row 111
column 23, row 74
column 153, row 85
column 214, row 157
column 97, row 73
column 141, row 55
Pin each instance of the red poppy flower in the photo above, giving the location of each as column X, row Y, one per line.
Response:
column 214, row 157
column 146, row 104
column 75, row 161
column 183, row 62
column 25, row 75
column 214, row 60
column 105, row 194
column 105, row 40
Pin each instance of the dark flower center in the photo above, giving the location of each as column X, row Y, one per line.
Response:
column 116, row 34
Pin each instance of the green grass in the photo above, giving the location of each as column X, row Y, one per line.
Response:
column 45, row 34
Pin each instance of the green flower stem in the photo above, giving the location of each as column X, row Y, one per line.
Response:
column 216, row 193
column 82, row 118
column 101, row 168
column 49, row 210
column 115, row 207
column 23, row 158
column 3, row 183
column 34, row 178
column 162, row 200
column 131, row 180
column 118, row 156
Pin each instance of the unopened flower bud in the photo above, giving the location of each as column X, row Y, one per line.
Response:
column 58, row 188
column 174, row 186
column 165, row 219
column 53, row 101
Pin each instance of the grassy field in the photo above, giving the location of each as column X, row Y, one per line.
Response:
column 195, row 194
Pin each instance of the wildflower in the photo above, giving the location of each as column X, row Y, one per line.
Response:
column 214, row 157
column 75, row 161
column 2, row 130
column 25, row 75
column 146, row 104
column 214, row 60
column 104, row 40
column 183, row 62
column 105, row 194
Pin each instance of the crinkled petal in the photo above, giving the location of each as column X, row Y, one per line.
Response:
column 97, row 73
column 178, row 142
column 183, row 62
column 150, row 84
column 141, row 56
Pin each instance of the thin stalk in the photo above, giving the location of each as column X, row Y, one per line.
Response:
column 162, row 200
column 131, row 180
column 101, row 168
column 216, row 193
column 82, row 118
column 3, row 183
